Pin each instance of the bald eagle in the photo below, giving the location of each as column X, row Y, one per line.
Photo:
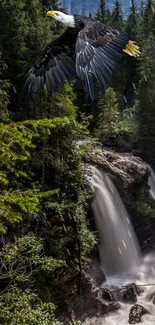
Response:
column 87, row 49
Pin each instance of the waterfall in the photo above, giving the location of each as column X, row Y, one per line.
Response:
column 151, row 182
column 118, row 247
column 120, row 254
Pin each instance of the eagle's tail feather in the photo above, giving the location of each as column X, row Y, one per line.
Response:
column 132, row 49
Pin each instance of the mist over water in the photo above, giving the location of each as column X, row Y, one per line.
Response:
column 146, row 280
column 118, row 246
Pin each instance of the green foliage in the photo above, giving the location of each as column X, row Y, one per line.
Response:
column 111, row 122
column 146, row 113
column 103, row 14
column 117, row 16
column 145, row 209
column 61, row 104
column 25, row 308
column 132, row 21
column 148, row 24
column 43, row 203
column 45, row 237
column 23, row 31
column 20, row 142
column 109, row 116
column 128, row 122
column 14, row 204
column 4, row 92
column 18, row 139
column 53, row 4
column 86, row 238
column 15, row 140
column 21, row 260
column 64, row 101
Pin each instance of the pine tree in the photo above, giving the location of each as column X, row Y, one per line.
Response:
column 51, row 4
column 4, row 93
column 21, row 39
column 148, row 18
column 133, row 30
column 98, row 16
column 108, row 17
column 109, row 115
column 131, row 24
column 141, row 8
column 146, row 98
column 102, row 11
column 117, row 16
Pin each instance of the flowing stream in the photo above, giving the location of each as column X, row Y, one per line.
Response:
column 119, row 251
column 121, row 316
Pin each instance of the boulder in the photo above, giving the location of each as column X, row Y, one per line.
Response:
column 136, row 313
column 112, row 306
column 129, row 294
column 127, row 169
column 106, row 294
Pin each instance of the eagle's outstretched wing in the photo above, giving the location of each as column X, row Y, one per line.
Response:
column 87, row 52
column 98, row 48
column 54, row 65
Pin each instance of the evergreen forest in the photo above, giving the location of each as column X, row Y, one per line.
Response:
column 46, row 237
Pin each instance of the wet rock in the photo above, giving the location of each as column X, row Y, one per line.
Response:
column 114, row 305
column 136, row 313
column 93, row 301
column 88, row 306
column 95, row 271
column 93, row 305
column 127, row 169
column 105, row 308
column 129, row 294
column 106, row 294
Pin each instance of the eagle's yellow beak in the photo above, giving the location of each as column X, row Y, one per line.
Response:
column 51, row 14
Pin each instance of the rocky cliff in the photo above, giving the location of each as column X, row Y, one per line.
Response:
column 130, row 176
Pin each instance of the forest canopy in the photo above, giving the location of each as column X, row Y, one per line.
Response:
column 45, row 235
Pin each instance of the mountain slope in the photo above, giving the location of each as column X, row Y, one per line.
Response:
column 84, row 7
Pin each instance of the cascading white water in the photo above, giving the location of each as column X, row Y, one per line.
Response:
column 121, row 316
column 118, row 246
column 120, row 254
column 151, row 182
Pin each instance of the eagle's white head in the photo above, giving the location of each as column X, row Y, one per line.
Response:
column 67, row 20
